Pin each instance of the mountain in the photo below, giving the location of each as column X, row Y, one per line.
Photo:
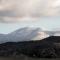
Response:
column 3, row 38
column 41, row 35
column 25, row 34
column 20, row 41
column 46, row 48
column 53, row 33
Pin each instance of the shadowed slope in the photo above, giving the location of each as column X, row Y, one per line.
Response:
column 46, row 48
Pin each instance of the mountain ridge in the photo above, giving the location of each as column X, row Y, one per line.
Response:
column 26, row 34
column 22, row 34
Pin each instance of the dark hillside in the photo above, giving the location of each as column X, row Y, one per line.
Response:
column 46, row 48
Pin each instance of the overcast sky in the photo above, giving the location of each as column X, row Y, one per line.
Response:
column 28, row 8
column 18, row 13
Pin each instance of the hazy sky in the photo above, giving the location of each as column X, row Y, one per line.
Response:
column 16, row 14
column 46, row 23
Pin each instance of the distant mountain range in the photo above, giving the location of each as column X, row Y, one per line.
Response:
column 26, row 34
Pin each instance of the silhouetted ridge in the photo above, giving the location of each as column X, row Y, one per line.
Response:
column 52, row 39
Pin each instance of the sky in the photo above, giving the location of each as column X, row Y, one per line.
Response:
column 46, row 23
column 15, row 14
column 31, row 8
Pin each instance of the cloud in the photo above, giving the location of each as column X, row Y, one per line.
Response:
column 17, row 19
column 29, row 8
column 7, row 13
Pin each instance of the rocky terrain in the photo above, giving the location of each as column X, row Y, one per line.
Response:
column 46, row 48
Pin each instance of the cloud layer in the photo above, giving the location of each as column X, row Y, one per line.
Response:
column 29, row 8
